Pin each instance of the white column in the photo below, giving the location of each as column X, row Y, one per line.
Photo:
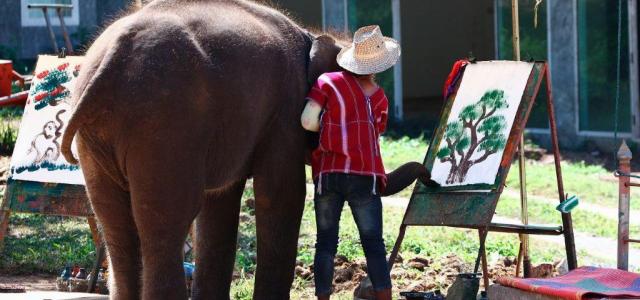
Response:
column 397, row 70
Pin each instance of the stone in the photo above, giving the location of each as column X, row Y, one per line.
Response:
column 364, row 290
column 244, row 217
column 544, row 270
column 250, row 203
column 417, row 265
column 508, row 261
column 342, row 275
column 417, row 287
column 339, row 260
column 562, row 267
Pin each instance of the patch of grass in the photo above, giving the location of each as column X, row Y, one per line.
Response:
column 591, row 183
column 242, row 288
column 8, row 132
column 396, row 152
column 45, row 244
column 11, row 112
column 583, row 221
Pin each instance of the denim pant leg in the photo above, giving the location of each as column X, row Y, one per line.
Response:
column 328, row 207
column 367, row 213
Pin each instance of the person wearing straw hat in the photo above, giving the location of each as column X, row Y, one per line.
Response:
column 350, row 112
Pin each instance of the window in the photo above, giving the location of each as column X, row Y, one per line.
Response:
column 597, row 60
column 533, row 44
column 34, row 17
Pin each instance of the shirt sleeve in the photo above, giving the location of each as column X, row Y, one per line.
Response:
column 381, row 113
column 319, row 92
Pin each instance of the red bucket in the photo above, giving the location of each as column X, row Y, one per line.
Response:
column 6, row 69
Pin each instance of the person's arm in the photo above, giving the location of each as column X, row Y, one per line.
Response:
column 311, row 116
column 316, row 100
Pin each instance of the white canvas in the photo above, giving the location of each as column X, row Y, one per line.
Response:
column 37, row 156
column 502, row 85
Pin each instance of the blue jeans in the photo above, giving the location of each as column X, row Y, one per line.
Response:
column 367, row 212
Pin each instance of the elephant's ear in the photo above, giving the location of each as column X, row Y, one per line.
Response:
column 322, row 57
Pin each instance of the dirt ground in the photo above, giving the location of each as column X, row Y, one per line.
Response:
column 28, row 282
column 414, row 274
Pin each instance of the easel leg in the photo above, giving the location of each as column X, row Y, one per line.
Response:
column 100, row 256
column 396, row 247
column 519, row 259
column 482, row 254
column 4, row 223
column 93, row 225
column 567, row 223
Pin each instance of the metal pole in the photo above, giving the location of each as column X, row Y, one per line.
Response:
column 63, row 27
column 624, row 165
column 396, row 247
column 524, row 239
column 52, row 36
column 397, row 69
column 567, row 223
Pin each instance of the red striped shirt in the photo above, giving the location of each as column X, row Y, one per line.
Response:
column 350, row 126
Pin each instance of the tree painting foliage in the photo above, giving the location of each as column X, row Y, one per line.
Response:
column 50, row 89
column 477, row 130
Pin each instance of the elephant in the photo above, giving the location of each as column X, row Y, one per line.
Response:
column 175, row 106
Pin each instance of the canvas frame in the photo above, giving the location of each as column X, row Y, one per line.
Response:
column 471, row 205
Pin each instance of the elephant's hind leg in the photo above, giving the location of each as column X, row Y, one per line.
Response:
column 166, row 192
column 280, row 192
column 112, row 207
column 217, row 231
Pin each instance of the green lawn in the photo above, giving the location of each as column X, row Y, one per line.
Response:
column 591, row 183
column 45, row 244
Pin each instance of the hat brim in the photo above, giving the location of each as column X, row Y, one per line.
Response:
column 346, row 59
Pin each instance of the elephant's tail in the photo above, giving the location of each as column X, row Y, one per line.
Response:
column 87, row 104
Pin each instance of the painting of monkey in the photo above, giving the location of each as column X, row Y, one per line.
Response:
column 45, row 146
column 37, row 153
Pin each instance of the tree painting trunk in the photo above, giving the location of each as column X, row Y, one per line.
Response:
column 477, row 130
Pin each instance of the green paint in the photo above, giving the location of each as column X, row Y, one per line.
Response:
column 462, row 138
column 50, row 90
column 44, row 165
column 47, row 198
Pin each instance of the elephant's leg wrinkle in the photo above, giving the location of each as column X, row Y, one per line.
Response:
column 166, row 194
column 216, row 236
column 112, row 207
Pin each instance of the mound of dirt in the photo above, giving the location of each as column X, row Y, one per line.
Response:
column 421, row 274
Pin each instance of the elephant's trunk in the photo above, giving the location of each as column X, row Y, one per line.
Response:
column 404, row 175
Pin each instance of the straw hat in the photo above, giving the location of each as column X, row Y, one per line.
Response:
column 370, row 52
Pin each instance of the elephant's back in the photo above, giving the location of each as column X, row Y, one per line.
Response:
column 222, row 71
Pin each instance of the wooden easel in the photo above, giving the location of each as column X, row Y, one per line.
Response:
column 50, row 199
column 466, row 207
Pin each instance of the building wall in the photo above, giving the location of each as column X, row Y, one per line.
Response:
column 10, row 34
column 30, row 41
column 435, row 34
column 35, row 40
column 109, row 9
column 306, row 12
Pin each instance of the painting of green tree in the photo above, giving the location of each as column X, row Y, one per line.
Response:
column 476, row 134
